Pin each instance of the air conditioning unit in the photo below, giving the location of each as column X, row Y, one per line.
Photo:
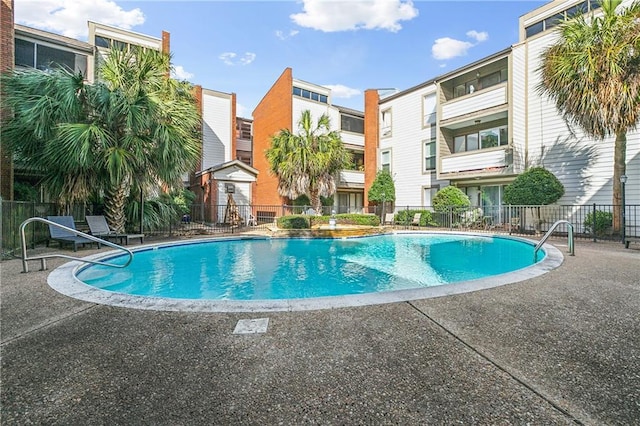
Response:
column 229, row 188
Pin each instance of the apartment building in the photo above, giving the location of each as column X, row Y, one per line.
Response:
column 220, row 177
column 481, row 125
column 224, row 139
column 281, row 108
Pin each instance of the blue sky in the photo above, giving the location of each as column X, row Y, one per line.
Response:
column 349, row 45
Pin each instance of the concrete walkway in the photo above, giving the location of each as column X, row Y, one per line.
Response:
column 563, row 348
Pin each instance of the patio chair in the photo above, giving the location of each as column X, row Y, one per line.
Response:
column 99, row 227
column 251, row 220
column 416, row 219
column 62, row 236
column 389, row 218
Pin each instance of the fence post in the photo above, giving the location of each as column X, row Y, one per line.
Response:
column 593, row 225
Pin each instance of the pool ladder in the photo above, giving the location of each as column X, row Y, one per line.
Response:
column 43, row 258
column 548, row 234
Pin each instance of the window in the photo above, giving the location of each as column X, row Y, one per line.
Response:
column 33, row 55
column 352, row 124
column 385, row 123
column 489, row 80
column 429, row 155
column 385, row 160
column 429, row 110
column 486, row 138
column 25, row 53
column 489, row 138
column 308, row 94
column 102, row 42
column 472, row 142
column 534, row 29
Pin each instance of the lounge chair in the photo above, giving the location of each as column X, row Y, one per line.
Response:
column 251, row 220
column 99, row 227
column 389, row 218
column 62, row 236
column 416, row 219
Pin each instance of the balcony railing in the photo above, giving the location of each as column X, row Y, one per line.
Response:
column 479, row 101
column 351, row 178
column 494, row 161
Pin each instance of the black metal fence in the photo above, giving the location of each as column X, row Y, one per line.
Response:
column 594, row 221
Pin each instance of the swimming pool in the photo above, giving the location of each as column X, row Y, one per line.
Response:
column 286, row 274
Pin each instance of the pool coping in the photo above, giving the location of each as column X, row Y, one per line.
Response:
column 63, row 280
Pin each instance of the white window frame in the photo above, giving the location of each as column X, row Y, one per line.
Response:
column 386, row 118
column 426, row 142
column 382, row 154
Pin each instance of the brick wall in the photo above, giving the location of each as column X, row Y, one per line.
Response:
column 273, row 113
column 6, row 64
column 371, row 125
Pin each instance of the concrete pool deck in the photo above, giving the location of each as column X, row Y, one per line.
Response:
column 561, row 348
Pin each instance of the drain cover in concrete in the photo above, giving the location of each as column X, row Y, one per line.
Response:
column 252, row 326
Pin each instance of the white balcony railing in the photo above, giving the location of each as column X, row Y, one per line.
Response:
column 484, row 99
column 490, row 161
column 351, row 178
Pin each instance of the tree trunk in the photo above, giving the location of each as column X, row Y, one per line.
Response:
column 114, row 203
column 619, row 169
column 314, row 199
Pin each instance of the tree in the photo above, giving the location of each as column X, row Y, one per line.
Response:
column 450, row 197
column 536, row 186
column 307, row 162
column 134, row 128
column 592, row 73
column 382, row 189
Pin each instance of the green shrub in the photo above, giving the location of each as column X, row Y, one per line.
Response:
column 405, row 217
column 296, row 221
column 382, row 189
column 450, row 197
column 604, row 220
column 536, row 186
column 23, row 191
column 349, row 219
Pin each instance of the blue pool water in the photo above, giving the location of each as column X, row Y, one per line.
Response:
column 273, row 269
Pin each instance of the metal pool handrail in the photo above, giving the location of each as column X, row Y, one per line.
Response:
column 548, row 234
column 43, row 258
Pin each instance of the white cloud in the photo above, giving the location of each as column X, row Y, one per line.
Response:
column 478, row 36
column 331, row 16
column 229, row 58
column 341, row 91
column 179, row 73
column 282, row 36
column 447, row 48
column 69, row 17
column 247, row 58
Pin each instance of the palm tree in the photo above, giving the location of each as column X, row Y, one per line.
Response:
column 306, row 163
column 592, row 73
column 134, row 126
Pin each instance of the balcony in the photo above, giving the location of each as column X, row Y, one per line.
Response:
column 494, row 162
column 351, row 179
column 482, row 100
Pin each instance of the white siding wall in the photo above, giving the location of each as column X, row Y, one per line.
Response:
column 406, row 147
column 583, row 165
column 518, row 117
column 216, row 130
column 316, row 108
